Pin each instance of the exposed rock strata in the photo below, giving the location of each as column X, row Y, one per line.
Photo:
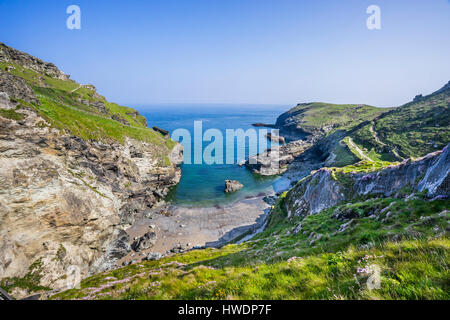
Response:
column 65, row 201
column 325, row 188
column 276, row 159
column 27, row 61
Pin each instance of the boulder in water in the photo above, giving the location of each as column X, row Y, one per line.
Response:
column 232, row 186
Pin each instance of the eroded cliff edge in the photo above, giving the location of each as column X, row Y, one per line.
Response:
column 75, row 171
column 328, row 187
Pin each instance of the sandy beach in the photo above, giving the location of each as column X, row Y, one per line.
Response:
column 189, row 227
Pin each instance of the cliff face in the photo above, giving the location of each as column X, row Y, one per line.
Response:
column 65, row 200
column 339, row 135
column 312, row 124
column 328, row 187
column 13, row 56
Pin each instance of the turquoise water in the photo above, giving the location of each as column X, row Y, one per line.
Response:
column 203, row 184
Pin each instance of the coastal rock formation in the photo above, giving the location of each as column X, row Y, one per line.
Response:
column 144, row 242
column 276, row 159
column 340, row 135
column 275, row 138
column 306, row 125
column 24, row 60
column 65, row 201
column 328, row 187
column 232, row 186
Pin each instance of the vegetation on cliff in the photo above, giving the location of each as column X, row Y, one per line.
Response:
column 77, row 109
column 324, row 118
column 75, row 170
column 412, row 130
column 325, row 253
column 311, row 258
column 347, row 134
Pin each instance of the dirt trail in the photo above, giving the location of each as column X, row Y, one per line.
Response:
column 374, row 134
column 358, row 150
column 79, row 86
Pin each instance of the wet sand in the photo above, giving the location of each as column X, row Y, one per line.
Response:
column 191, row 226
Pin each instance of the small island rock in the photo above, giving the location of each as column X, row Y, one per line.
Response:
column 232, row 186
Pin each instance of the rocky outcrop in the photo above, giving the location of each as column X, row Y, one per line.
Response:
column 16, row 87
column 327, row 187
column 144, row 242
column 275, row 138
column 232, row 186
column 65, row 201
column 276, row 159
column 444, row 88
column 10, row 55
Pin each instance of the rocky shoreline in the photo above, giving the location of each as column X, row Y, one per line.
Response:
column 179, row 228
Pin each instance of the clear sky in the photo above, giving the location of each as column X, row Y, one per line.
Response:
column 240, row 51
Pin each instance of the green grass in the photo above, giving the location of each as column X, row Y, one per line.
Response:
column 124, row 112
column 91, row 125
column 414, row 129
column 409, row 244
column 29, row 282
column 410, row 269
column 11, row 114
column 64, row 110
column 312, row 116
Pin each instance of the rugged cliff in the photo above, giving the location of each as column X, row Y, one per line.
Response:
column 328, row 187
column 308, row 124
column 340, row 135
column 75, row 170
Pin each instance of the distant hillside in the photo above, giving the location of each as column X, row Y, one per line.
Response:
column 341, row 135
column 412, row 130
column 316, row 129
column 318, row 118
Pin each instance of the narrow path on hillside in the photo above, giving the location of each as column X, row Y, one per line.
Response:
column 394, row 151
column 79, row 86
column 358, row 150
column 374, row 134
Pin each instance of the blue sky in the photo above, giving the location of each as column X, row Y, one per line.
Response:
column 240, row 51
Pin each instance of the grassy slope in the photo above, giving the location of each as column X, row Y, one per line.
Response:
column 61, row 107
column 340, row 120
column 312, row 116
column 412, row 130
column 415, row 129
column 410, row 245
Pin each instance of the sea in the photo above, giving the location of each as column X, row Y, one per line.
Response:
column 202, row 185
